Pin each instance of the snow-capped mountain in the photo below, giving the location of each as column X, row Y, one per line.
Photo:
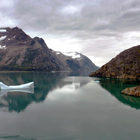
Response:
column 74, row 55
column 76, row 61
column 18, row 51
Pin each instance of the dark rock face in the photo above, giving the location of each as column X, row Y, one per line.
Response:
column 18, row 51
column 124, row 65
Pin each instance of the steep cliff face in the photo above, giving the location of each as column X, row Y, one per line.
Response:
column 124, row 65
column 18, row 51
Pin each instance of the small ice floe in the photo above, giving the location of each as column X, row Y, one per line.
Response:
column 2, row 38
column 2, row 30
column 97, row 81
column 52, row 71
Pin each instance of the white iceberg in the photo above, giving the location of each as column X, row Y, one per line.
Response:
column 97, row 81
column 17, row 87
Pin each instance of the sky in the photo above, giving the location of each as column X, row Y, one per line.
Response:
column 99, row 29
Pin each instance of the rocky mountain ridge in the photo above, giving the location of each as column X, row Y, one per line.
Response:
column 18, row 51
column 124, row 65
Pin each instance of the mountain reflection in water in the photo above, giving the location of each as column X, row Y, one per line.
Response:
column 115, row 86
column 44, row 82
column 68, row 107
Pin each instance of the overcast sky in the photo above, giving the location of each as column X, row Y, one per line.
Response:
column 99, row 29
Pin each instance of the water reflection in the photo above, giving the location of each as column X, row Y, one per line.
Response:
column 115, row 86
column 4, row 91
column 15, row 100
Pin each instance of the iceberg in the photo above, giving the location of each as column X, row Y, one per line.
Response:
column 17, row 87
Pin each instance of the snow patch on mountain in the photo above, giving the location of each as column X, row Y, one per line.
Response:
column 2, row 38
column 2, row 30
column 73, row 55
column 3, row 47
column 57, row 52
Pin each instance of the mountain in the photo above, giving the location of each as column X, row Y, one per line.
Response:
column 124, row 65
column 76, row 61
column 18, row 51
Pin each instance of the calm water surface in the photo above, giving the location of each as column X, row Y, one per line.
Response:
column 66, row 106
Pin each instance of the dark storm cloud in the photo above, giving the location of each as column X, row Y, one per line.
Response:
column 90, row 21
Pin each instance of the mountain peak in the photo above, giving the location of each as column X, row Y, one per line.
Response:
column 14, row 36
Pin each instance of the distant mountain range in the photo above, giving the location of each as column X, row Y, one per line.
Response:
column 20, row 52
column 124, row 65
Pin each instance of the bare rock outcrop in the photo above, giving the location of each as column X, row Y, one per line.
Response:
column 132, row 91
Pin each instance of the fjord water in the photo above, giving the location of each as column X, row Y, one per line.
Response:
column 66, row 106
